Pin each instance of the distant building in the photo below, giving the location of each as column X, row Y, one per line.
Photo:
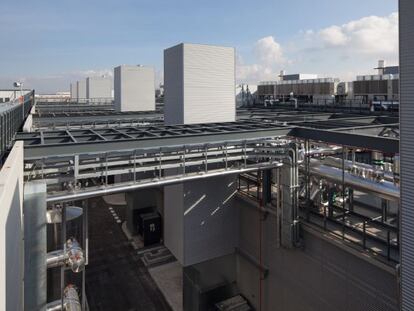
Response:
column 383, row 86
column 98, row 87
column 134, row 88
column 74, row 91
column 81, row 90
column 303, row 87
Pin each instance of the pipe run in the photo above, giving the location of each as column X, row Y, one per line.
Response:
column 71, row 301
column 385, row 189
column 85, row 194
column 72, row 257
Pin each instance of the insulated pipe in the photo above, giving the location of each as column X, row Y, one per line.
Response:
column 71, row 301
column 56, row 259
column 323, row 150
column 385, row 190
column 81, row 195
column 336, row 162
column 73, row 257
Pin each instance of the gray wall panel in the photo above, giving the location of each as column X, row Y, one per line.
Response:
column 407, row 151
column 319, row 276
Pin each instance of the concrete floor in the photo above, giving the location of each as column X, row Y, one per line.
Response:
column 116, row 279
column 169, row 279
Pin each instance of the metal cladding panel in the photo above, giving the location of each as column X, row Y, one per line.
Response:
column 209, row 84
column 322, row 275
column 74, row 91
column 98, row 87
column 203, row 89
column 81, row 86
column 173, row 85
column 407, row 152
column 134, row 88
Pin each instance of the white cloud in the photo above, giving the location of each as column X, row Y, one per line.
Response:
column 268, row 55
column 338, row 50
column 94, row 73
column 368, row 36
column 269, row 52
column 333, row 36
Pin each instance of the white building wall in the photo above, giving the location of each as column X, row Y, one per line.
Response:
column 134, row 88
column 199, row 83
column 81, row 86
column 200, row 219
column 98, row 87
column 74, row 91
column 199, row 87
column 11, row 231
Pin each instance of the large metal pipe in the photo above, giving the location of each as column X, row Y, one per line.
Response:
column 56, row 259
column 385, row 189
column 85, row 194
column 71, row 301
column 367, row 169
column 72, row 257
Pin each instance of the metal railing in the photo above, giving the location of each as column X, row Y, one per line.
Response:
column 12, row 116
column 151, row 167
column 335, row 105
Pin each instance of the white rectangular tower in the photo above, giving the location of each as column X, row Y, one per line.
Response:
column 199, row 84
column 200, row 219
column 74, row 91
column 81, row 86
column 98, row 87
column 134, row 88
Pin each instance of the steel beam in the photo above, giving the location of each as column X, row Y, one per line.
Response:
column 50, row 150
column 383, row 144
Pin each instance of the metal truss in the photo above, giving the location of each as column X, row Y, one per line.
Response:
column 356, row 131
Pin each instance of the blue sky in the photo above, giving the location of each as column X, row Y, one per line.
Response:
column 48, row 43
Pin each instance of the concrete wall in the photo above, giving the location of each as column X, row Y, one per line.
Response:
column 199, row 83
column 201, row 222
column 11, row 231
column 319, row 276
column 174, row 220
column 81, row 87
column 98, row 87
column 407, row 151
column 134, row 88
